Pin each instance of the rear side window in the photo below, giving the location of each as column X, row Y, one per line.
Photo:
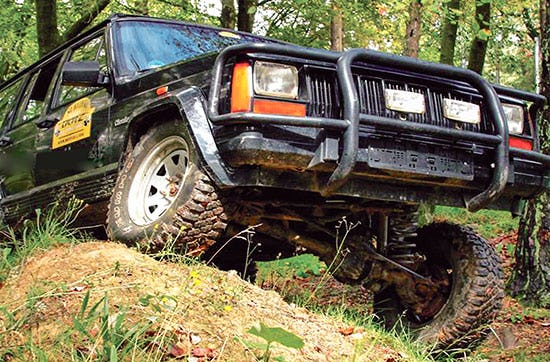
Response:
column 8, row 100
column 35, row 93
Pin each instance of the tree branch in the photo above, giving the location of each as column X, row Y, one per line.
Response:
column 86, row 19
column 529, row 24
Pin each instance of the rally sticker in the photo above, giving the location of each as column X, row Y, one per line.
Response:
column 75, row 125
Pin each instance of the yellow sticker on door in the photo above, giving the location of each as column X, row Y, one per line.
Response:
column 75, row 125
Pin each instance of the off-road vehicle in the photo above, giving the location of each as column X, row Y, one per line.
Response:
column 188, row 134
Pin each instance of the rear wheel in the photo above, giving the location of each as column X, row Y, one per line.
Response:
column 162, row 196
column 469, row 271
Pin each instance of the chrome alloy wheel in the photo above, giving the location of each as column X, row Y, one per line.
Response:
column 158, row 181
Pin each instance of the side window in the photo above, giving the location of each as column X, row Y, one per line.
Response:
column 92, row 50
column 8, row 99
column 35, row 93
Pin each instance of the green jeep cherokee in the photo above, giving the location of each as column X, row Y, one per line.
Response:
column 181, row 133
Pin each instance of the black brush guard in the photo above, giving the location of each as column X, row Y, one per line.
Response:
column 352, row 117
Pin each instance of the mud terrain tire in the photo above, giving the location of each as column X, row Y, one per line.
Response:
column 162, row 196
column 475, row 294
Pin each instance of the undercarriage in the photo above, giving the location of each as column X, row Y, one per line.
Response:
column 417, row 275
column 371, row 243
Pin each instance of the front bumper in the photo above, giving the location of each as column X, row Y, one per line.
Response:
column 301, row 162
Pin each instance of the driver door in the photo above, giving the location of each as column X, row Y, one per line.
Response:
column 75, row 131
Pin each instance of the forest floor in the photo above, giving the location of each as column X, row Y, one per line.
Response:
column 520, row 333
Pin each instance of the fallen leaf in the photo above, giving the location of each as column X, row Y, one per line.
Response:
column 177, row 351
column 346, row 331
column 203, row 352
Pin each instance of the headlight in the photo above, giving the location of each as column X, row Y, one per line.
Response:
column 273, row 79
column 515, row 117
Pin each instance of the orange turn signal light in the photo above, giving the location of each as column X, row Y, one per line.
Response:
column 266, row 106
column 241, row 88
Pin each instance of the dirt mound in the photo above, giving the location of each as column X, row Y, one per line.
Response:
column 65, row 297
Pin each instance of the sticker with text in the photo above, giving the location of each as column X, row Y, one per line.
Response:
column 75, row 125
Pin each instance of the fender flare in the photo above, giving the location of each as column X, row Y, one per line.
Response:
column 190, row 104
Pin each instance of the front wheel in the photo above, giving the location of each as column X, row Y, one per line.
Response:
column 162, row 196
column 456, row 257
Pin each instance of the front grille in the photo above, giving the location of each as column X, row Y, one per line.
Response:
column 325, row 98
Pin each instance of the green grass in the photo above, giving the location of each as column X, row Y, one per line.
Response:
column 117, row 336
column 488, row 223
column 49, row 228
column 303, row 265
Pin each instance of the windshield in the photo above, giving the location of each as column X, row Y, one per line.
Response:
column 144, row 45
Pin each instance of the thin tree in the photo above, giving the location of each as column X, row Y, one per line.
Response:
column 336, row 29
column 227, row 18
column 531, row 275
column 412, row 36
column 449, row 31
column 246, row 13
column 478, row 48
column 47, row 27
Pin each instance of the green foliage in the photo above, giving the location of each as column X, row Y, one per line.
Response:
column 272, row 335
column 488, row 223
column 377, row 25
column 302, row 266
column 278, row 335
column 18, row 46
column 99, row 332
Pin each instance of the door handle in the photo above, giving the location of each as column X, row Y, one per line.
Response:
column 5, row 141
column 47, row 122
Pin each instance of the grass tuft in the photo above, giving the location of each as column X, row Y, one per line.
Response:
column 50, row 227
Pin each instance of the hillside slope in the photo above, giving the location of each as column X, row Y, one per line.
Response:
column 95, row 299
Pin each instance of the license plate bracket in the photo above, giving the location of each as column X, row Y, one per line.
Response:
column 422, row 159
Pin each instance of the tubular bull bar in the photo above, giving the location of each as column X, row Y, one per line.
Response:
column 352, row 117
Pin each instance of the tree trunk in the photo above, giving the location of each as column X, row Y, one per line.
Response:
column 46, row 26
column 479, row 44
column 142, row 7
column 245, row 16
column 47, row 29
column 337, row 30
column 87, row 16
column 227, row 18
column 531, row 275
column 412, row 37
column 448, row 33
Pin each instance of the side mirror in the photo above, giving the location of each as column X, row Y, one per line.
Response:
column 83, row 74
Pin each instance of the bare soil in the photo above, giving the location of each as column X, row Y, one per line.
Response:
column 197, row 312
column 203, row 314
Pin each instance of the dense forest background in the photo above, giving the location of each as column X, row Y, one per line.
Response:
column 508, row 41
column 433, row 30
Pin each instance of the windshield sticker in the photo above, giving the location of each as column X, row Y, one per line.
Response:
column 75, row 125
column 228, row 34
